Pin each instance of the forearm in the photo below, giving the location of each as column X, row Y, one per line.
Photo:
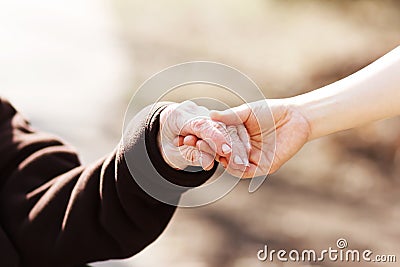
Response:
column 370, row 94
column 58, row 213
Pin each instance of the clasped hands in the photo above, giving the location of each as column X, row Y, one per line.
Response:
column 249, row 140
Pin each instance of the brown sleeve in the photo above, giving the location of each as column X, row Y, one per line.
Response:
column 55, row 212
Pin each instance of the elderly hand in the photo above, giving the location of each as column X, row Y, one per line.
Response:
column 185, row 124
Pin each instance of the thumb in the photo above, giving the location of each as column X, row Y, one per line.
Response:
column 232, row 116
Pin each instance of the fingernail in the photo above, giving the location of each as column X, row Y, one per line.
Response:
column 201, row 161
column 226, row 149
column 238, row 160
column 246, row 162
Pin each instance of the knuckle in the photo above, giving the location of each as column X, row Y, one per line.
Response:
column 200, row 144
column 188, row 104
column 191, row 155
column 232, row 130
column 220, row 125
column 214, row 136
column 198, row 125
column 220, row 128
column 233, row 134
column 202, row 110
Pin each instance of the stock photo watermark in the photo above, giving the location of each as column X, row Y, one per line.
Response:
column 339, row 253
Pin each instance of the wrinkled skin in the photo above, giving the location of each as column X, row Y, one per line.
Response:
column 188, row 137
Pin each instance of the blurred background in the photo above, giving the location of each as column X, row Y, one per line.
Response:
column 72, row 66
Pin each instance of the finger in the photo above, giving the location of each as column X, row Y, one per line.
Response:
column 208, row 154
column 206, row 161
column 232, row 116
column 250, row 172
column 178, row 141
column 203, row 146
column 191, row 155
column 239, row 158
column 208, row 130
column 224, row 162
column 195, row 157
column 244, row 136
column 190, row 140
column 254, row 171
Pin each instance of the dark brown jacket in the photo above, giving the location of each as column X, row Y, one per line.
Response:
column 56, row 212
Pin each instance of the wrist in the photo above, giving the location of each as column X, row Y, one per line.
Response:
column 312, row 111
column 328, row 109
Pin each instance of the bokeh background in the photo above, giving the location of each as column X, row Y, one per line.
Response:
column 72, row 66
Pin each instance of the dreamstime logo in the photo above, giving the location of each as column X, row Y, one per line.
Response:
column 227, row 83
column 341, row 243
column 340, row 253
